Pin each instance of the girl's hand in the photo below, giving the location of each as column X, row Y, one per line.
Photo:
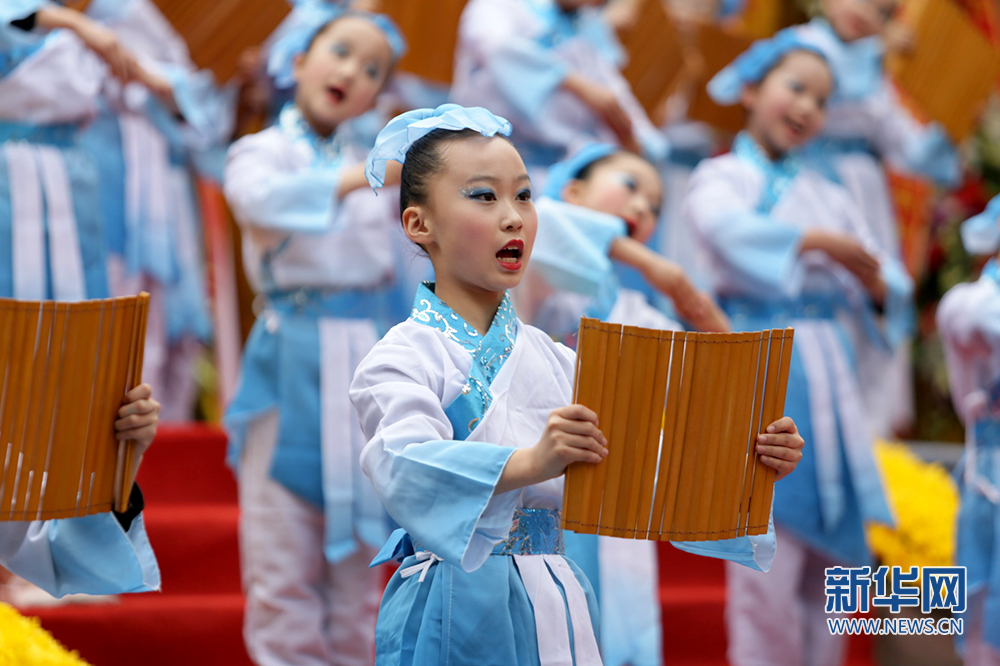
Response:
column 571, row 435
column 692, row 305
column 781, row 447
column 602, row 101
column 847, row 252
column 103, row 41
column 899, row 37
column 137, row 418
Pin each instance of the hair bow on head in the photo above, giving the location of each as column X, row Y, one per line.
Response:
column 396, row 138
column 569, row 169
column 752, row 65
column 301, row 27
column 981, row 233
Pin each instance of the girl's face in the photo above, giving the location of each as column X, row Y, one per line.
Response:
column 479, row 222
column 857, row 19
column 342, row 73
column 624, row 185
column 788, row 107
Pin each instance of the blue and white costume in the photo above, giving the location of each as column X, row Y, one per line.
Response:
column 92, row 555
column 751, row 213
column 51, row 236
column 512, row 58
column 868, row 127
column 324, row 269
column 968, row 320
column 444, row 407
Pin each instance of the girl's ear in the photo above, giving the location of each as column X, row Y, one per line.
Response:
column 417, row 226
column 748, row 96
column 297, row 61
column 572, row 191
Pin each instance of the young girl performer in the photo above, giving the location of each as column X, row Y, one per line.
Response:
column 867, row 129
column 104, row 553
column 790, row 249
column 320, row 252
column 968, row 319
column 469, row 429
column 552, row 66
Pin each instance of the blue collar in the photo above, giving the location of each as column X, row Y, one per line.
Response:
column 327, row 152
column 490, row 351
column 778, row 174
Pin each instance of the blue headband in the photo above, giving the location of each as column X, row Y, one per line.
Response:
column 310, row 17
column 981, row 233
column 569, row 169
column 752, row 65
column 396, row 138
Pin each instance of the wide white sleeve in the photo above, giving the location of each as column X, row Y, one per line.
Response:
column 440, row 490
column 266, row 192
column 91, row 554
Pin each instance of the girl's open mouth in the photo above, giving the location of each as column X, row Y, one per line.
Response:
column 510, row 256
column 336, row 94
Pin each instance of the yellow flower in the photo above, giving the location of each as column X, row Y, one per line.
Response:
column 23, row 642
column 924, row 500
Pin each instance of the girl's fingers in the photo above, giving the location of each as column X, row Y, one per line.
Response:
column 136, row 421
column 784, row 424
column 576, row 413
column 788, row 453
column 584, row 443
column 138, row 434
column 583, row 428
column 139, row 407
column 140, row 392
column 782, row 467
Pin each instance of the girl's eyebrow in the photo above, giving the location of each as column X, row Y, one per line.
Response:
column 494, row 180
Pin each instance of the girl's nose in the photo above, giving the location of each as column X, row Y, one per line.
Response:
column 512, row 220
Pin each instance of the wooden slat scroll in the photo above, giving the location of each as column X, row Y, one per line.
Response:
column 431, row 35
column 681, row 412
column 66, row 368
column 663, row 62
column 953, row 68
column 218, row 32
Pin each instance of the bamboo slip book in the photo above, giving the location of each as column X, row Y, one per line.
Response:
column 66, row 369
column 681, row 413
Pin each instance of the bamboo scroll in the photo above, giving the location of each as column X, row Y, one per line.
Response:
column 66, row 369
column 953, row 68
column 681, row 413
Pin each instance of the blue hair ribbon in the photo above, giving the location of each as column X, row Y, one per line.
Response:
column 396, row 137
column 569, row 169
